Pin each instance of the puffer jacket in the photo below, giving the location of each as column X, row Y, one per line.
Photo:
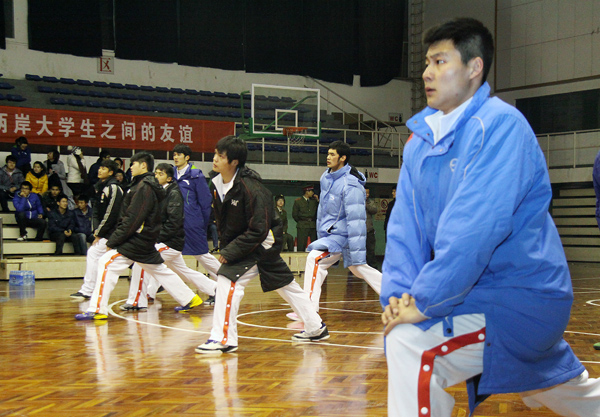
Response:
column 140, row 222
column 341, row 218
column 107, row 207
column 172, row 233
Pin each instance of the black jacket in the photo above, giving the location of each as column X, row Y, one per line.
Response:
column 59, row 223
column 245, row 218
column 140, row 222
column 172, row 233
column 107, row 207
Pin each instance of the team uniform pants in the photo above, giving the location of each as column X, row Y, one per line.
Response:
column 421, row 363
column 315, row 272
column 94, row 254
column 230, row 294
column 144, row 284
column 112, row 264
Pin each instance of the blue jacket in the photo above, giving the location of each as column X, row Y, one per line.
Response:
column 596, row 179
column 341, row 217
column 23, row 156
column 31, row 206
column 196, row 208
column 83, row 222
column 479, row 199
column 58, row 222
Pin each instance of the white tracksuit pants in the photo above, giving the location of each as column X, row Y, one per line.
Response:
column 112, row 264
column 230, row 294
column 94, row 254
column 143, row 283
column 422, row 363
column 315, row 272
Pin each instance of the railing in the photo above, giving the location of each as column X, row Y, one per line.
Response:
column 576, row 149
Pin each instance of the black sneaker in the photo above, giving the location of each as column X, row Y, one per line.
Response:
column 129, row 307
column 210, row 301
column 80, row 295
column 321, row 334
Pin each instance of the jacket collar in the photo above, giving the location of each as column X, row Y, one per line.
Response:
column 339, row 173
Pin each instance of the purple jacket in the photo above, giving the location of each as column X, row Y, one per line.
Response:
column 196, row 208
column 31, row 206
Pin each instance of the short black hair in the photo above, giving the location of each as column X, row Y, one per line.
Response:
column 184, row 149
column 470, row 37
column 11, row 158
column 83, row 197
column 27, row 184
column 234, row 148
column 279, row 197
column 55, row 185
column 21, row 140
column 141, row 157
column 60, row 197
column 104, row 154
column 342, row 149
column 166, row 168
column 41, row 164
column 110, row 164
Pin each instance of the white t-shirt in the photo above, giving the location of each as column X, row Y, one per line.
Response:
column 221, row 187
column 441, row 123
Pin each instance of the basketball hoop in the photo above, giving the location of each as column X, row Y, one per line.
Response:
column 295, row 134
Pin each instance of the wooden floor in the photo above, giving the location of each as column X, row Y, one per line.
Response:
column 143, row 364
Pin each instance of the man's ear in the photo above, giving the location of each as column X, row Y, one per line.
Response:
column 343, row 158
column 476, row 67
column 235, row 163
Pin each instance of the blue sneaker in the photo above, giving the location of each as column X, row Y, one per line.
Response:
column 196, row 301
column 90, row 316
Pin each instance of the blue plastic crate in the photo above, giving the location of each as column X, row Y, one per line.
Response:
column 21, row 278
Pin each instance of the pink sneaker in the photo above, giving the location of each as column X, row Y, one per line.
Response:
column 293, row 316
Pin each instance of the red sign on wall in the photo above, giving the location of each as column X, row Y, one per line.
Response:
column 105, row 130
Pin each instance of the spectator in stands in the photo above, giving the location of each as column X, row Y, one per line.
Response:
column 83, row 218
column 288, row 240
column 120, row 177
column 305, row 214
column 93, row 172
column 371, row 209
column 57, row 173
column 11, row 178
column 22, row 152
column 61, row 226
column 388, row 211
column 119, row 162
column 38, row 178
column 77, row 178
column 49, row 202
column 29, row 212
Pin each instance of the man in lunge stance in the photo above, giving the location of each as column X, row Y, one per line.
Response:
column 170, row 244
column 133, row 241
column 476, row 286
column 341, row 226
column 251, row 242
column 105, row 216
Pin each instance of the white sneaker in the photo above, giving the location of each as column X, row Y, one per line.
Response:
column 212, row 347
column 22, row 238
column 293, row 316
column 320, row 334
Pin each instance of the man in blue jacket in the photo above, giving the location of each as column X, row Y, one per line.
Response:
column 29, row 212
column 475, row 281
column 197, row 202
column 341, row 226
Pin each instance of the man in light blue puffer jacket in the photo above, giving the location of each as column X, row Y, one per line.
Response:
column 341, row 225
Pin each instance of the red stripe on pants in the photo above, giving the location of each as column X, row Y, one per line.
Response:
column 228, row 312
column 315, row 269
column 106, row 265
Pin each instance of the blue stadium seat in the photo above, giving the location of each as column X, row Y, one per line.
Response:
column 260, row 97
column 205, row 102
column 81, row 93
column 15, row 97
column 176, row 100
column 97, row 94
column 126, row 106
column 100, row 84
column 177, row 90
column 219, row 113
column 190, row 111
column 203, row 112
column 143, row 97
column 220, row 104
column 191, row 92
column 132, row 87
column 147, row 88
column 84, row 83
column 142, row 107
column 49, row 79
column 93, row 104
column 190, row 101
column 159, row 109
column 110, row 105
column 44, row 89
column 162, row 90
column 73, row 102
column 58, row 100
column 220, row 94
column 69, row 81
column 247, row 96
column 6, row 86
column 274, row 99
column 160, row 99
column 175, row 110
column 63, row 91
column 126, row 96
column 235, row 114
column 33, row 77
column 118, row 86
column 287, row 99
column 234, row 96
column 2, row 97
column 205, row 93
column 323, row 149
column 113, row 95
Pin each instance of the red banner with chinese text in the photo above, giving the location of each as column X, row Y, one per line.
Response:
column 107, row 130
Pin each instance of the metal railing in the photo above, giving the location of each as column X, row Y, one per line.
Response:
column 575, row 149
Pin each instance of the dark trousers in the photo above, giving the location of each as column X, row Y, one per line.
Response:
column 371, row 259
column 24, row 223
column 288, row 243
column 212, row 231
column 78, row 240
column 303, row 235
column 5, row 195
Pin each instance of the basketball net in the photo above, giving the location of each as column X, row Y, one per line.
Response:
column 295, row 134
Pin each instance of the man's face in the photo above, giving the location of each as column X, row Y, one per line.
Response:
column 81, row 204
column 51, row 156
column 220, row 162
column 25, row 191
column 367, row 192
column 280, row 203
column 54, row 191
column 394, row 193
column 334, row 161
column 161, row 176
column 106, row 157
column 137, row 168
column 104, row 173
column 11, row 165
column 119, row 177
column 180, row 160
column 63, row 203
column 310, row 193
column 447, row 79
column 23, row 146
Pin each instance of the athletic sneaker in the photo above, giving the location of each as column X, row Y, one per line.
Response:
column 90, row 316
column 81, row 295
column 212, row 347
column 129, row 307
column 196, row 301
column 321, row 334
column 210, row 301
column 22, row 238
column 293, row 316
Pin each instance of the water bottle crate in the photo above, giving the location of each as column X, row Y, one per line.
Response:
column 21, row 278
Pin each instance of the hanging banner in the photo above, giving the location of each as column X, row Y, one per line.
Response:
column 106, row 130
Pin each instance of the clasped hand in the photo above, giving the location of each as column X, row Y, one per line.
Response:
column 400, row 311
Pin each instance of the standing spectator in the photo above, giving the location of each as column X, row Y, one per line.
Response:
column 22, row 152
column 388, row 211
column 304, row 212
column 119, row 163
column 38, row 178
column 120, row 177
column 61, row 227
column 83, row 218
column 57, row 173
column 93, row 171
column 288, row 240
column 29, row 212
column 77, row 178
column 371, row 208
column 11, row 178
